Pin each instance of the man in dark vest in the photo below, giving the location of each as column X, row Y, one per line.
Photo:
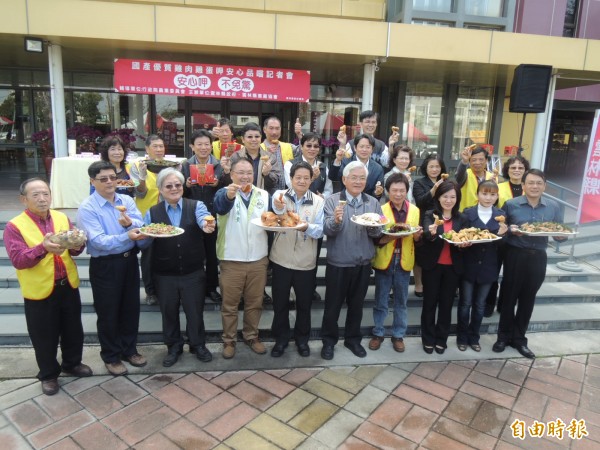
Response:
column 177, row 265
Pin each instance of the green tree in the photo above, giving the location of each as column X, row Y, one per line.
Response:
column 86, row 107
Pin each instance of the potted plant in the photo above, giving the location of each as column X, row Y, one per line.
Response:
column 45, row 140
column 85, row 137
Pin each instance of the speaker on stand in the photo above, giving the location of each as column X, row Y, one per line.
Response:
column 529, row 92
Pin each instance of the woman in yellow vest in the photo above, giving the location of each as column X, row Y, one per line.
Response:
column 393, row 261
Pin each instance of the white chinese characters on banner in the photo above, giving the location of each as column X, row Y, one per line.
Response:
column 589, row 204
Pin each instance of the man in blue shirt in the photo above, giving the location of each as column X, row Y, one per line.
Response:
column 111, row 222
column 525, row 261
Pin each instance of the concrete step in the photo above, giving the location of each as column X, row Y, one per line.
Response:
column 546, row 317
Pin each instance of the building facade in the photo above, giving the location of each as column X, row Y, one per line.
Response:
column 440, row 70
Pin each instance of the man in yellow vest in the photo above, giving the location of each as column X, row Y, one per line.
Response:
column 393, row 261
column 471, row 170
column 282, row 151
column 146, row 196
column 49, row 283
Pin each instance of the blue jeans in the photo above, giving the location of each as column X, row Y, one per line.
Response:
column 471, row 303
column 397, row 278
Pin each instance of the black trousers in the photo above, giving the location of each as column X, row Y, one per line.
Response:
column 347, row 284
column 146, row 266
column 212, row 263
column 439, row 286
column 53, row 320
column 116, row 291
column 187, row 291
column 303, row 282
column 524, row 273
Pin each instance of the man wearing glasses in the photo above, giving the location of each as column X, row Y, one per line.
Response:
column 111, row 222
column 242, row 252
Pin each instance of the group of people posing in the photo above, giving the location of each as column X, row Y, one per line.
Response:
column 238, row 184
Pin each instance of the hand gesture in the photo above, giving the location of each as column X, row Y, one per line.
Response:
column 279, row 201
column 143, row 171
column 338, row 213
column 216, row 131
column 514, row 229
column 316, row 172
column 502, row 229
column 232, row 190
column 135, row 235
column 124, row 220
column 342, row 138
column 393, row 139
column 433, row 229
column 418, row 235
column 266, row 168
column 339, row 155
column 465, row 155
column 298, row 128
column 226, row 164
column 209, row 227
column 188, row 182
column 378, row 189
column 435, row 186
column 50, row 247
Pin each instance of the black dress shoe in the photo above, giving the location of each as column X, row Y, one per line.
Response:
column 267, row 300
column 419, row 294
column 327, row 352
column 489, row 310
column 356, row 348
column 50, row 387
column 170, row 359
column 80, row 370
column 203, row 354
column 316, row 297
column 278, row 350
column 428, row 349
column 524, row 350
column 303, row 350
column 499, row 346
column 215, row 297
column 440, row 350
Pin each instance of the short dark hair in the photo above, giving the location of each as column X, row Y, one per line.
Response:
column 446, row 186
column 98, row 166
column 251, row 126
column 366, row 114
column 152, row 137
column 397, row 177
column 236, row 161
column 301, row 165
column 487, row 185
column 108, row 142
column 368, row 137
column 537, row 172
column 310, row 136
column 201, row 132
column 510, row 161
column 225, row 121
column 399, row 147
column 271, row 118
column 23, row 186
column 480, row 149
column 426, row 161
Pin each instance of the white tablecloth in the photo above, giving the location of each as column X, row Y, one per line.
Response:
column 69, row 181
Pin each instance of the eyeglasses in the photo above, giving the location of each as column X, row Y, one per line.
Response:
column 106, row 179
column 312, row 146
column 243, row 174
column 171, row 186
column 355, row 179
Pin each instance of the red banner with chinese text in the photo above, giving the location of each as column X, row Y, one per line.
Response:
column 589, row 203
column 133, row 76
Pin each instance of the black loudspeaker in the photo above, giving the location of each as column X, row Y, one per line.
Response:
column 529, row 89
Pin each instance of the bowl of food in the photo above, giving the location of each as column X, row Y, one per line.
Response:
column 155, row 165
column 71, row 239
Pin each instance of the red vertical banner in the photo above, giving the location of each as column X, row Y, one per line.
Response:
column 589, row 203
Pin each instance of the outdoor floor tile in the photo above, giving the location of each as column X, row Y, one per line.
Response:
column 365, row 402
column 389, row 378
column 419, row 397
column 429, row 386
column 390, row 412
column 490, row 367
column 571, row 370
column 158, row 381
column 551, row 391
column 157, row 442
column 590, row 398
column 548, row 365
column 81, row 384
column 176, row 398
column 199, row 387
column 341, row 381
column 276, row 432
column 453, row 375
column 463, row 407
column 231, row 421
column 298, row 377
column 530, row 403
column 556, row 380
column 97, row 437
column 131, row 413
column 247, row 440
column 60, row 429
column 514, row 373
column 140, row 429
column 253, row 395
column 65, row 444
column 382, row 438
column 288, row 407
column 430, row 370
column 123, row 389
column 12, row 439
column 328, row 392
column 494, row 383
column 277, row 373
column 209, row 375
column 98, row 402
column 484, row 393
column 313, row 416
column 592, row 376
column 463, row 433
column 187, row 435
column 416, row 424
column 367, row 373
column 490, row 419
column 214, row 408
column 337, row 429
column 8, row 386
column 28, row 417
column 59, row 405
column 271, row 384
column 353, row 443
column 228, row 379
column 439, row 441
column 20, row 395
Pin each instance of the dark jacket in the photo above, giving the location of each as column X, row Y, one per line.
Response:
column 481, row 260
column 422, row 195
column 179, row 255
column 375, row 174
column 205, row 194
column 429, row 252
column 319, row 184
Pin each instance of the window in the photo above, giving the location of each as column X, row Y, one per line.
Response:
column 487, row 8
column 422, row 114
column 433, row 5
column 570, row 18
column 472, row 118
column 432, row 23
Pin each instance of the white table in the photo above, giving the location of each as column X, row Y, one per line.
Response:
column 69, row 181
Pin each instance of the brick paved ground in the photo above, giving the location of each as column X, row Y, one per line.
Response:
column 434, row 405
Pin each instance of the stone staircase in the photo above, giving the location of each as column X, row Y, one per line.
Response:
column 566, row 301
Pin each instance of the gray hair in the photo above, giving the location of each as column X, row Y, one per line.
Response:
column 354, row 165
column 163, row 174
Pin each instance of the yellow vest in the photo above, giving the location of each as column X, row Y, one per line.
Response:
column 468, row 193
column 384, row 255
column 217, row 149
column 37, row 283
column 504, row 193
column 152, row 195
column 287, row 153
